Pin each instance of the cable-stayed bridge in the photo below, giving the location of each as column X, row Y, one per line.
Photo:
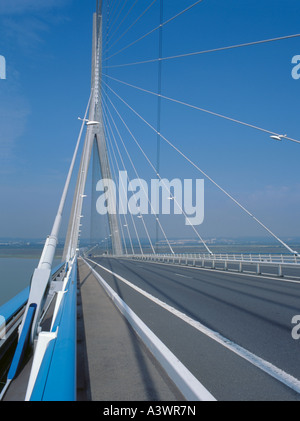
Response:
column 130, row 317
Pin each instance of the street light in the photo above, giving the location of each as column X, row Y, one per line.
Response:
column 277, row 137
column 92, row 123
column 89, row 122
column 281, row 137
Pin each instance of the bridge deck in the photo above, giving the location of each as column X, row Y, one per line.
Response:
column 114, row 365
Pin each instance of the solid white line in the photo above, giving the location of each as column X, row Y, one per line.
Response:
column 263, row 365
column 186, row 382
column 4, row 390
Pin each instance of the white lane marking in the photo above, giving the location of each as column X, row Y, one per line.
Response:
column 6, row 386
column 183, row 276
column 187, row 383
column 258, row 362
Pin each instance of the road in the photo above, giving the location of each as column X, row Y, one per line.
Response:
column 231, row 330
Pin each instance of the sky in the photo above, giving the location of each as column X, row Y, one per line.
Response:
column 47, row 47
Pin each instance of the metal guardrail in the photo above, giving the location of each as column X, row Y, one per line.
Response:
column 278, row 265
column 12, row 314
column 56, row 379
column 13, row 308
column 271, row 258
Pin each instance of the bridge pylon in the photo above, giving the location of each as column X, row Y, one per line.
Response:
column 94, row 134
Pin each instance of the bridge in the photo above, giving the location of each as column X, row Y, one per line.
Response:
column 128, row 319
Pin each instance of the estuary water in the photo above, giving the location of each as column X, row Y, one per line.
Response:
column 15, row 275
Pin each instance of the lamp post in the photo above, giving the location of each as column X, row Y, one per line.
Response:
column 280, row 137
column 89, row 122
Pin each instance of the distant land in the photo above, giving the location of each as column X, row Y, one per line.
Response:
column 38, row 242
column 32, row 248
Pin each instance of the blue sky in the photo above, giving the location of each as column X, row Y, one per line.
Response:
column 47, row 46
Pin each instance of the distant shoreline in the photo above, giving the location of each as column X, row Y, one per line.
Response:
column 23, row 252
column 34, row 251
column 19, row 248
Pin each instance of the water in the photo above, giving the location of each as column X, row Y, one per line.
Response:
column 15, row 275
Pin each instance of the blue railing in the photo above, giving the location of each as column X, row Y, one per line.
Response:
column 58, row 269
column 9, row 309
column 56, row 380
column 13, row 306
column 22, row 344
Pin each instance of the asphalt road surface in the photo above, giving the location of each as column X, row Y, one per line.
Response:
column 233, row 331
